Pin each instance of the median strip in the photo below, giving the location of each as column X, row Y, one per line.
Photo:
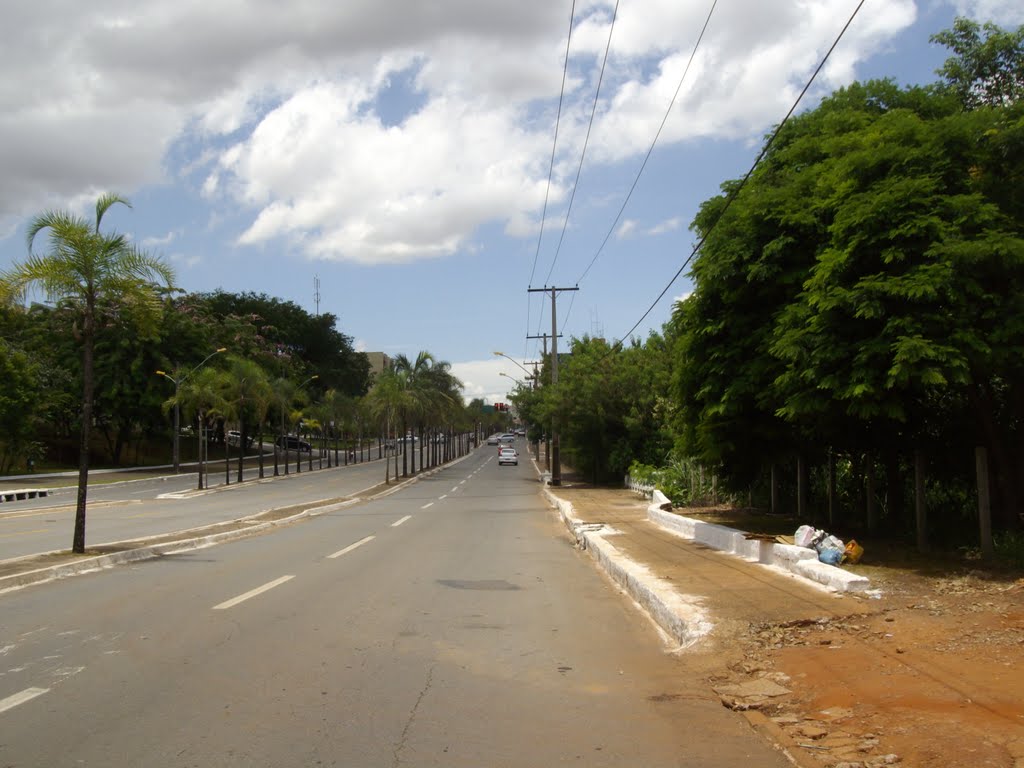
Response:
column 252, row 593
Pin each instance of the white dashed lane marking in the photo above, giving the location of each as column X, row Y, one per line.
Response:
column 350, row 547
column 427, row 506
column 252, row 593
column 20, row 698
column 399, row 522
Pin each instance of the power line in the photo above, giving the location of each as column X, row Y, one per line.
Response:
column 586, row 141
column 657, row 135
column 551, row 167
column 647, row 157
column 735, row 192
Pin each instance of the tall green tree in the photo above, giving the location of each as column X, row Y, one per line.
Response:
column 92, row 273
column 987, row 68
column 18, row 404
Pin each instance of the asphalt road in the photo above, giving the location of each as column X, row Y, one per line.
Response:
column 145, row 507
column 448, row 624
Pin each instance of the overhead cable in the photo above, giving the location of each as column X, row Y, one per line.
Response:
column 586, row 141
column 735, row 192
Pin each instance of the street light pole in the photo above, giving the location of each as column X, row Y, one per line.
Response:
column 177, row 404
column 502, row 354
column 517, row 381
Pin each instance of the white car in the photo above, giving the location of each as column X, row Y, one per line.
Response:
column 492, row 440
column 507, row 439
column 508, row 456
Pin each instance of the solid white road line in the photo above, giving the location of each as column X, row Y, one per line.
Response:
column 252, row 593
column 427, row 506
column 20, row 698
column 399, row 522
column 350, row 547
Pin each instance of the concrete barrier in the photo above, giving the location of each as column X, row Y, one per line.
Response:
column 23, row 493
column 800, row 561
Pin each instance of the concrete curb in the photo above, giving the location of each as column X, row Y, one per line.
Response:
column 681, row 619
column 800, row 561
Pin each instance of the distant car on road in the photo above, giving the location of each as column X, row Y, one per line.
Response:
column 507, row 439
column 492, row 440
column 293, row 443
column 508, row 456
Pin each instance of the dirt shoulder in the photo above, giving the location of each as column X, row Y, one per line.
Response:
column 928, row 673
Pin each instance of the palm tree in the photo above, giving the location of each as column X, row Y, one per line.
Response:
column 283, row 395
column 91, row 273
column 443, row 398
column 247, row 391
column 201, row 396
column 387, row 401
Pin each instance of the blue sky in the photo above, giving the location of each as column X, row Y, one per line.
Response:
column 399, row 151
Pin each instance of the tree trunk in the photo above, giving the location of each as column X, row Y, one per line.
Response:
column 894, row 496
column 1002, row 466
column 872, row 502
column 78, row 539
column 774, row 491
column 984, row 504
column 801, row 489
column 831, row 489
column 920, row 513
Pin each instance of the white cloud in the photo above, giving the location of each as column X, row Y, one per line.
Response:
column 156, row 242
column 188, row 261
column 484, row 379
column 669, row 225
column 626, row 228
column 281, row 110
column 1003, row 12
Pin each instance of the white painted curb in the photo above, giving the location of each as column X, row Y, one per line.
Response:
column 680, row 616
column 800, row 561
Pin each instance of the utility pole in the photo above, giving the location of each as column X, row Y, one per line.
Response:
column 556, row 466
column 536, row 380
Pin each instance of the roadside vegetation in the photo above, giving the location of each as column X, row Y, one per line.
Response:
column 853, row 349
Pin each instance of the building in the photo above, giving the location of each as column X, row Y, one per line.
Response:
column 378, row 362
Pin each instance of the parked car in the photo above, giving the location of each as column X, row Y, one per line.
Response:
column 235, row 439
column 508, row 456
column 293, row 443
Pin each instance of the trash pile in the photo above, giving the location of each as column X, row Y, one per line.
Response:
column 830, row 549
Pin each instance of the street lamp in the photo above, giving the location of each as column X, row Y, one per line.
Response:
column 177, row 406
column 517, row 381
column 502, row 354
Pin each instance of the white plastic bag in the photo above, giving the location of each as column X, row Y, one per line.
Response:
column 829, row 542
column 805, row 536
